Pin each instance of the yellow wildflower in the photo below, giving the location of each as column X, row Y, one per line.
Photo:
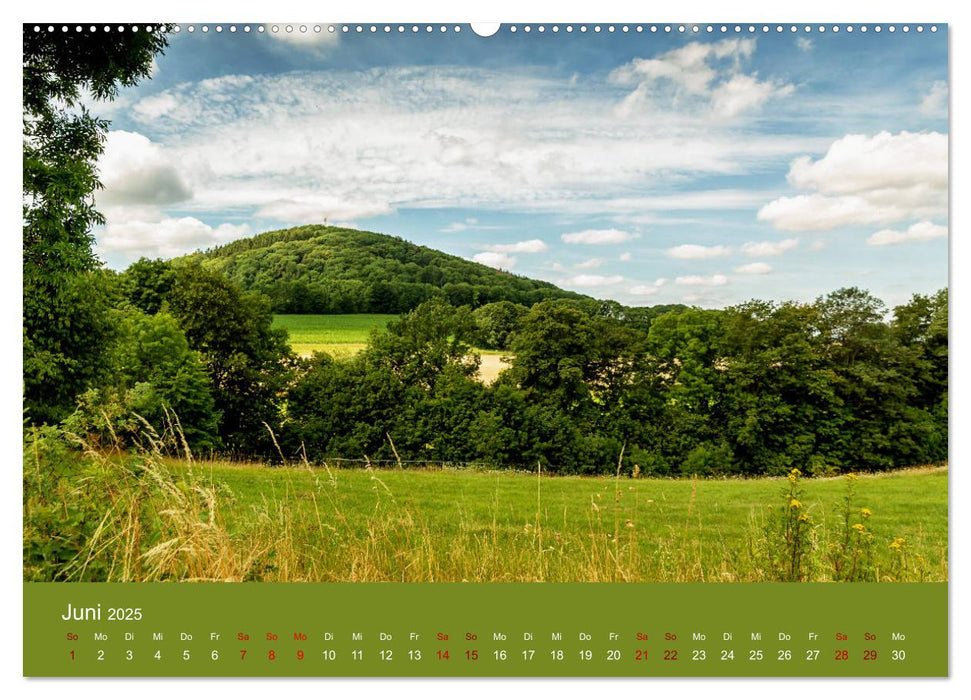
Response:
column 804, row 517
column 859, row 527
column 898, row 543
column 866, row 512
column 793, row 475
column 795, row 504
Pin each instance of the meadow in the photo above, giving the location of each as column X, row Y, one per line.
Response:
column 344, row 335
column 340, row 335
column 121, row 517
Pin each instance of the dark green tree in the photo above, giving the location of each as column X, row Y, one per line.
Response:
column 147, row 283
column 64, row 344
column 248, row 362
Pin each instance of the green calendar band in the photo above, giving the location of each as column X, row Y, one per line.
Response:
column 431, row 630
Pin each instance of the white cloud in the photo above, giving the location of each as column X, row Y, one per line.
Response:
column 936, row 98
column 137, row 172
column 816, row 212
column 690, row 251
column 755, row 268
column 624, row 257
column 744, row 93
column 804, row 44
column 647, row 290
column 155, row 106
column 702, row 281
column 863, row 164
column 923, row 231
column 760, row 249
column 500, row 261
column 609, row 236
column 706, row 73
column 590, row 264
column 866, row 180
column 166, row 238
column 593, row 280
column 320, row 208
column 352, row 144
column 533, row 246
column 459, row 226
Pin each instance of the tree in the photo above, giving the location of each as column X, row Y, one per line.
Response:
column 496, row 323
column 248, row 362
column 156, row 377
column 146, row 284
column 64, row 344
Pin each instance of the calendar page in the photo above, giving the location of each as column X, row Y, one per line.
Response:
column 511, row 350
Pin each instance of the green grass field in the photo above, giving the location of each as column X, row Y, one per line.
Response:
column 337, row 334
column 343, row 335
column 166, row 519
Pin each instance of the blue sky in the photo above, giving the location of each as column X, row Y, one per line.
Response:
column 645, row 167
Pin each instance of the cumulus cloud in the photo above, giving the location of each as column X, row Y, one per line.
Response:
column 593, row 280
column 608, row 236
column 923, row 231
column 500, row 261
column 624, row 257
column 707, row 73
column 645, row 290
column 590, row 264
column 755, row 268
column 137, row 172
column 533, row 246
column 690, row 251
column 866, row 180
column 804, row 44
column 761, row 249
column 702, row 281
column 165, row 238
column 936, row 98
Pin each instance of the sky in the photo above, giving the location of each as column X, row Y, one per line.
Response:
column 646, row 167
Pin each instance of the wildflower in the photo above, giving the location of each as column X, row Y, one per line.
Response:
column 851, row 476
column 805, row 518
column 793, row 475
column 866, row 512
column 859, row 527
column 795, row 504
column 898, row 543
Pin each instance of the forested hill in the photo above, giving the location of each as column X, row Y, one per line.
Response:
column 328, row 270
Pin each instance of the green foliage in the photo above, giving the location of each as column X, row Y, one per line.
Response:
column 324, row 269
column 496, row 323
column 760, row 388
column 67, row 331
column 56, row 527
column 147, row 284
column 64, row 305
column 156, row 383
column 247, row 361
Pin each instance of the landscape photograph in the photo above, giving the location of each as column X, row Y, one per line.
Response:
column 548, row 303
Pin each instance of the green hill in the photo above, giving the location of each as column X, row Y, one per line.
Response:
column 329, row 270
